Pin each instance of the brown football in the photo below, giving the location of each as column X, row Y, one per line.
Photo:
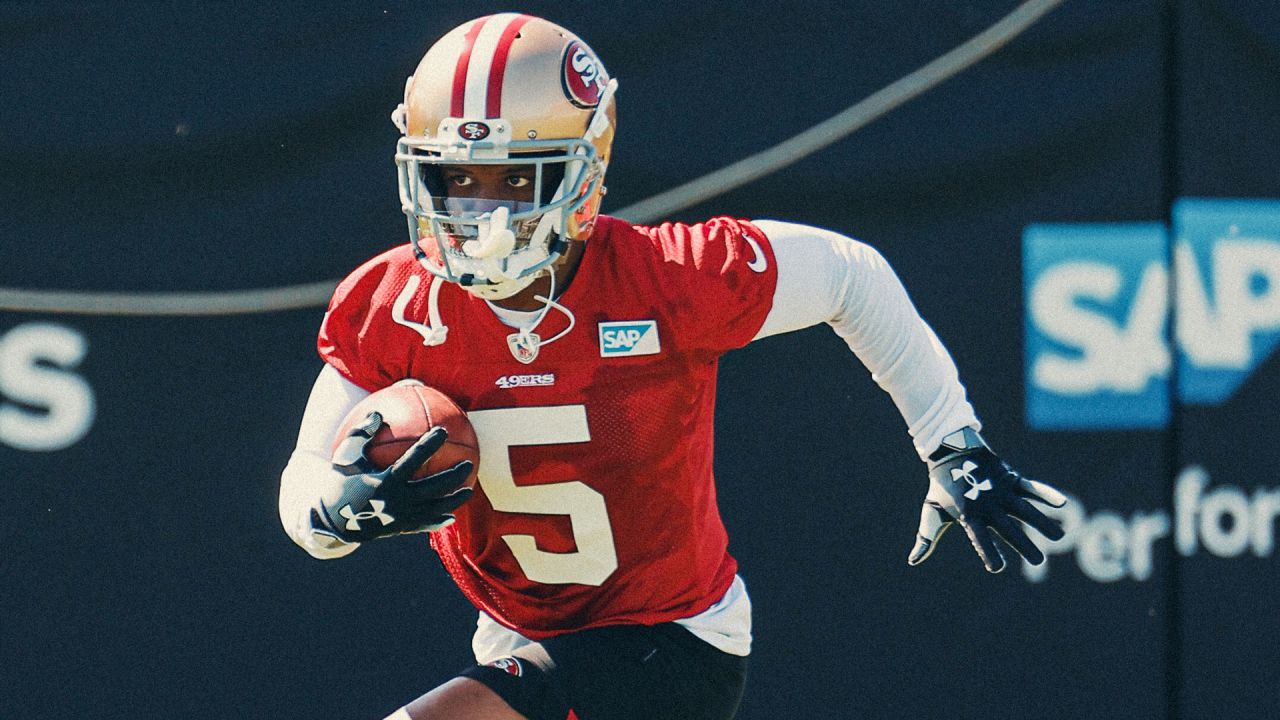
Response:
column 408, row 410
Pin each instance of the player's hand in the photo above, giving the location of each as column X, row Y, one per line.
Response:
column 969, row 485
column 379, row 503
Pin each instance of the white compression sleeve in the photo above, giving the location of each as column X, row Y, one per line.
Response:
column 825, row 277
column 309, row 473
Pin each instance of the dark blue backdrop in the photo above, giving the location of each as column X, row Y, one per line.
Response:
column 215, row 146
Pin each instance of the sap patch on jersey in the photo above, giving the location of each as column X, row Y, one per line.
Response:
column 629, row 337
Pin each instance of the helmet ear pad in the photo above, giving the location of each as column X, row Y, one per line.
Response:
column 581, row 223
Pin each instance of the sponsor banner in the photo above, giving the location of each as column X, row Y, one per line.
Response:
column 1098, row 305
column 1094, row 326
column 1228, row 291
column 1223, row 520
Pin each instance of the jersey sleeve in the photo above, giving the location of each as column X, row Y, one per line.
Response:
column 718, row 280
column 354, row 327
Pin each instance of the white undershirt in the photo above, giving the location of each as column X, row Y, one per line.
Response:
column 823, row 277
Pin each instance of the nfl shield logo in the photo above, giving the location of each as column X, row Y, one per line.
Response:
column 524, row 346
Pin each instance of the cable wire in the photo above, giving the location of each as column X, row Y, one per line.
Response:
column 843, row 124
column 232, row 302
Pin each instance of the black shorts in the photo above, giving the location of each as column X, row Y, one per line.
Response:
column 622, row 672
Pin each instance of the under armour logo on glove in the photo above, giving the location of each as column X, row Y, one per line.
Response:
column 998, row 505
column 396, row 500
column 354, row 518
column 965, row 471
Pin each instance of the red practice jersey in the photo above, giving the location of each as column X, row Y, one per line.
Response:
column 596, row 502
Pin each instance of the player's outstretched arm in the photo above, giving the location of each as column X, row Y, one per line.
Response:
column 971, row 486
column 825, row 277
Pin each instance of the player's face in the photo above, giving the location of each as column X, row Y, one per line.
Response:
column 514, row 186
column 511, row 183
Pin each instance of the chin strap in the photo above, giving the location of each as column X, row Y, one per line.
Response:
column 437, row 331
column 524, row 343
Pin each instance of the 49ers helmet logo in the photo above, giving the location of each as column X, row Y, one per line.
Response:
column 473, row 131
column 584, row 78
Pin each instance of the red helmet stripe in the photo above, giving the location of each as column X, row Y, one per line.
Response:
column 498, row 68
column 460, row 70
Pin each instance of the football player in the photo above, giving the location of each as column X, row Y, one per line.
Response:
column 585, row 350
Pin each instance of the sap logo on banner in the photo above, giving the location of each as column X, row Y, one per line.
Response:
column 1097, row 300
column 43, row 405
column 1098, row 307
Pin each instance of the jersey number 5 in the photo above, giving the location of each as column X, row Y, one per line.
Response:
column 500, row 429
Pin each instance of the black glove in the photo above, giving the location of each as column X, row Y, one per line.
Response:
column 968, row 484
column 380, row 503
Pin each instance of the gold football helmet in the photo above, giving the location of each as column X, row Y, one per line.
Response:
column 506, row 89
